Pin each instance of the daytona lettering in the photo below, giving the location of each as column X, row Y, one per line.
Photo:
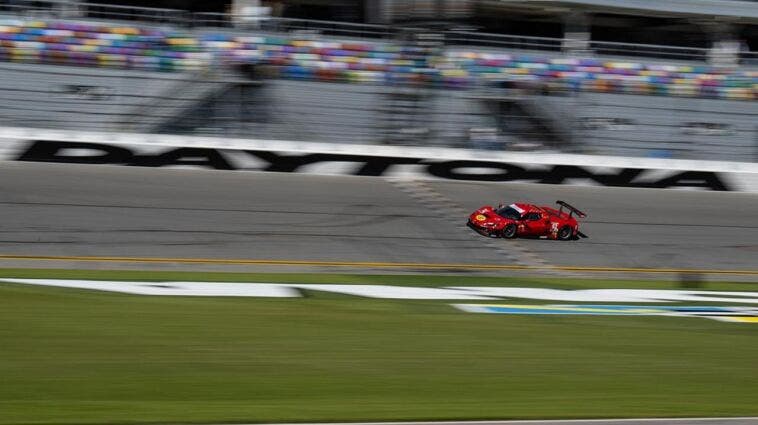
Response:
column 363, row 165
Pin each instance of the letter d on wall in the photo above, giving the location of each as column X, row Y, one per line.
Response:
column 75, row 153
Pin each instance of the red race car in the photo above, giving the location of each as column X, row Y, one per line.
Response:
column 527, row 220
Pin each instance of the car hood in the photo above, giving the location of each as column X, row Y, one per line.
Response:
column 489, row 213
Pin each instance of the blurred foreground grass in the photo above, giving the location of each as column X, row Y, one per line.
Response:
column 75, row 356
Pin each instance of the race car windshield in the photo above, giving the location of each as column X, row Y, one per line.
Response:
column 508, row 212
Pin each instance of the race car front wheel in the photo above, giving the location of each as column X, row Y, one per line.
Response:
column 565, row 233
column 509, row 232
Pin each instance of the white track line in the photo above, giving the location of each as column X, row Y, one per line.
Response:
column 741, row 420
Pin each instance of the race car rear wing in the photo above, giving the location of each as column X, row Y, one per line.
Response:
column 572, row 210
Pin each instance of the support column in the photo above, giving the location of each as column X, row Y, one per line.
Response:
column 725, row 46
column 249, row 13
column 576, row 33
column 68, row 9
column 378, row 11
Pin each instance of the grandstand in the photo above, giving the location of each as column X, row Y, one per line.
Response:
column 349, row 83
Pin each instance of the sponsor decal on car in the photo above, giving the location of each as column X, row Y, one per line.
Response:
column 723, row 313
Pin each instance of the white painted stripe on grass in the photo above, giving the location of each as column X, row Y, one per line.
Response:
column 717, row 420
column 741, row 420
column 198, row 289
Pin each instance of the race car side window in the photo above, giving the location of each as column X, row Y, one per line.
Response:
column 533, row 216
column 508, row 212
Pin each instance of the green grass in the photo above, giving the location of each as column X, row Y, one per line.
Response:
column 75, row 356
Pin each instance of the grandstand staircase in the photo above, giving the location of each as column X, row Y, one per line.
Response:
column 177, row 100
column 406, row 108
column 240, row 108
column 531, row 120
column 405, row 116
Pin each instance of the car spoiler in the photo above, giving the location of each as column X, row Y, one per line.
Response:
column 572, row 210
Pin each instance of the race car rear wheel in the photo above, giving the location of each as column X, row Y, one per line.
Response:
column 509, row 231
column 565, row 233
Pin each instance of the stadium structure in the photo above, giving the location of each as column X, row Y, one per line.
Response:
column 428, row 73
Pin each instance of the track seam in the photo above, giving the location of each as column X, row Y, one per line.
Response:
column 455, row 214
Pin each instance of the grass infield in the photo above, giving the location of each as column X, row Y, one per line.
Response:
column 77, row 356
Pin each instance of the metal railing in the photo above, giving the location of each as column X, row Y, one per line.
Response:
column 74, row 9
column 649, row 50
column 213, row 20
column 152, row 14
column 749, row 58
column 284, row 25
column 468, row 38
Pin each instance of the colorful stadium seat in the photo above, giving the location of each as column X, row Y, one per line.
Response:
column 130, row 47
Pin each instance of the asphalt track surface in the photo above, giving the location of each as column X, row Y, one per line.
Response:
column 57, row 210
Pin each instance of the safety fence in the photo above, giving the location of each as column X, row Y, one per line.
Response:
column 276, row 25
column 487, row 117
